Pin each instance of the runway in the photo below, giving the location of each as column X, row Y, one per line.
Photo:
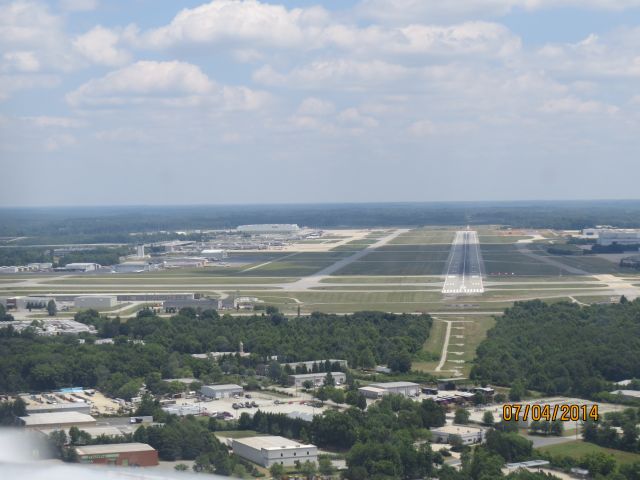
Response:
column 464, row 267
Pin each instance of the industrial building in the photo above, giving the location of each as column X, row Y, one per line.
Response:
column 269, row 450
column 23, row 303
column 53, row 327
column 216, row 255
column 269, row 228
column 377, row 390
column 96, row 301
column 184, row 262
column 202, row 304
column 469, row 435
column 80, row 407
column 124, row 454
column 221, row 391
column 93, row 431
column 609, row 236
column 316, row 379
column 245, row 303
column 135, row 267
column 309, row 364
column 57, row 420
column 183, row 410
column 80, row 267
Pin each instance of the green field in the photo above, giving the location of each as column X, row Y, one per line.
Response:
column 475, row 330
column 297, row 264
column 500, row 238
column 432, row 347
column 579, row 448
column 422, row 236
column 401, row 260
column 382, row 279
column 138, row 279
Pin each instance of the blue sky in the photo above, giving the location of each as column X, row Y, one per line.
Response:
column 243, row 101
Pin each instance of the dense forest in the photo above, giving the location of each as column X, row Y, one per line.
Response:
column 562, row 348
column 23, row 256
column 113, row 224
column 34, row 363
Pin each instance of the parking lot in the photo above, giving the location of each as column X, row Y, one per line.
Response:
column 263, row 401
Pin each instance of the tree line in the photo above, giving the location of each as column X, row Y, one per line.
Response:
column 148, row 345
column 562, row 348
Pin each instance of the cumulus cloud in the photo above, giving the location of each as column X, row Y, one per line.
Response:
column 410, row 10
column 237, row 20
column 30, row 27
column 342, row 73
column 611, row 55
column 100, row 45
column 163, row 83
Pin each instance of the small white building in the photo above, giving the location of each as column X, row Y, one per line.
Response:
column 57, row 420
column 469, row 435
column 408, row 389
column 269, row 450
column 22, row 303
column 216, row 255
column 269, row 228
column 221, row 391
column 317, row 379
column 11, row 269
column 81, row 267
column 95, row 301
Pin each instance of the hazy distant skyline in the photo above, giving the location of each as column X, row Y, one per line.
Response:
column 244, row 102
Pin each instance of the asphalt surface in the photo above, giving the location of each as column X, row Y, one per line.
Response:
column 464, row 267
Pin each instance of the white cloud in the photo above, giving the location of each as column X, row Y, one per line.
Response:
column 612, row 55
column 251, row 27
column 316, row 106
column 144, row 78
column 176, row 84
column 352, row 116
column 232, row 20
column 15, row 82
column 333, row 73
column 20, row 62
column 59, row 142
column 468, row 38
column 78, row 5
column 100, row 45
column 60, row 122
column 422, row 128
column 123, row 135
column 412, row 10
column 577, row 106
column 30, row 27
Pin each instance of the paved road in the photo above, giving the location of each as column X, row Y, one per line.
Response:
column 464, row 268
